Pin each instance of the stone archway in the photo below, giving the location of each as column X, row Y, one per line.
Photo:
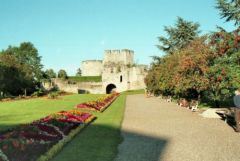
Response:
column 110, row 88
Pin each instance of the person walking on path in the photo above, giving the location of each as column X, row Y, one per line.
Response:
column 236, row 100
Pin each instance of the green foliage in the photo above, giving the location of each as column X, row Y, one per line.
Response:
column 208, row 66
column 62, row 74
column 79, row 72
column 179, row 36
column 229, row 10
column 224, row 76
column 53, row 95
column 20, row 69
column 50, row 74
column 38, row 92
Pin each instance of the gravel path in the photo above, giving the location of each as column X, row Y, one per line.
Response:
column 155, row 130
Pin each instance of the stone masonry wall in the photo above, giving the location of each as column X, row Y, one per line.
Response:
column 92, row 87
column 92, row 68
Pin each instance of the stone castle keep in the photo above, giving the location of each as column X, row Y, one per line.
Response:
column 118, row 73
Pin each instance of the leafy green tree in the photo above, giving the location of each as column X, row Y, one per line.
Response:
column 30, row 60
column 21, row 67
column 62, row 74
column 224, row 77
column 193, row 66
column 79, row 72
column 11, row 79
column 224, row 73
column 178, row 36
column 229, row 10
column 50, row 73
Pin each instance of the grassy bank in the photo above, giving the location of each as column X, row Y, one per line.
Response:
column 85, row 78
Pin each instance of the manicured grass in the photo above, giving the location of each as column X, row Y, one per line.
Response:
column 25, row 111
column 97, row 142
column 132, row 92
column 85, row 78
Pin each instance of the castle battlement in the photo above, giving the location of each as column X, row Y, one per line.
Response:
column 124, row 56
column 92, row 61
column 123, row 51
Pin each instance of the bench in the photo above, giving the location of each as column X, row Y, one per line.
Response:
column 226, row 115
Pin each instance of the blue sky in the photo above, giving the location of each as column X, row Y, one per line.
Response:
column 65, row 32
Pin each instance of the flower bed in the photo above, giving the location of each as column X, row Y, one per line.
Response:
column 47, row 135
column 100, row 104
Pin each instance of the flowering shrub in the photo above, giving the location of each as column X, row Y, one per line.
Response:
column 100, row 104
column 30, row 141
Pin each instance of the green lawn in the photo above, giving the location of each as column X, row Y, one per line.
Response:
column 85, row 78
column 97, row 142
column 25, row 111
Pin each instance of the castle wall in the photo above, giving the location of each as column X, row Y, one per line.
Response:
column 119, row 63
column 132, row 78
column 124, row 56
column 92, row 87
column 136, row 77
column 117, row 68
column 92, row 68
column 119, row 79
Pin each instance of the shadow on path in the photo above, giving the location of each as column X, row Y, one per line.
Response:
column 100, row 143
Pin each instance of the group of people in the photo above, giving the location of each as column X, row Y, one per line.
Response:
column 147, row 93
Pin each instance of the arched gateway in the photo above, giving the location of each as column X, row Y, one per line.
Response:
column 110, row 88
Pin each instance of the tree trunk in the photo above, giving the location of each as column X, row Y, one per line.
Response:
column 25, row 92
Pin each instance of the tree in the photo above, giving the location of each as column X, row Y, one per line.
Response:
column 193, row 66
column 229, row 10
column 62, row 74
column 224, row 73
column 79, row 72
column 224, row 77
column 30, row 60
column 21, row 67
column 179, row 36
column 50, row 73
column 11, row 78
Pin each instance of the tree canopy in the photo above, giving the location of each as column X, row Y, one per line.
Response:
column 209, row 66
column 79, row 72
column 20, row 68
column 62, row 74
column 230, row 10
column 178, row 36
column 50, row 74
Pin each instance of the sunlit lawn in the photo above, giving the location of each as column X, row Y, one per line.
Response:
column 97, row 142
column 25, row 111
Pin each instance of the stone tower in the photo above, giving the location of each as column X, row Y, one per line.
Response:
column 116, row 69
column 118, row 72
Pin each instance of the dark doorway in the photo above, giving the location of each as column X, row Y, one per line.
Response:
column 110, row 88
column 121, row 79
